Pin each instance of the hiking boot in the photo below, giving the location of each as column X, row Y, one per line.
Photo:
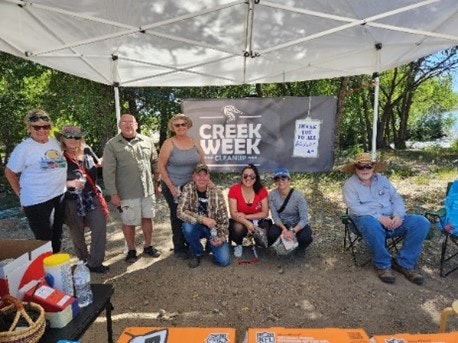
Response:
column 99, row 269
column 131, row 256
column 151, row 251
column 194, row 262
column 181, row 254
column 411, row 274
column 386, row 275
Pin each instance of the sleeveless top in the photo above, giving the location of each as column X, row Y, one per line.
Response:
column 181, row 164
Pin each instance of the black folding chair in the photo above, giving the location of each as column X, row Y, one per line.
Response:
column 353, row 241
column 449, row 242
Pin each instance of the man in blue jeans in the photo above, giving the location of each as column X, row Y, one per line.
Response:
column 204, row 214
column 378, row 211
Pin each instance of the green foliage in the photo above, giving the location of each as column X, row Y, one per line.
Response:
column 454, row 146
column 426, row 128
column 72, row 100
column 21, row 86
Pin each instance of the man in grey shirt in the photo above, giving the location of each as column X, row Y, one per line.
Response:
column 131, row 178
column 378, row 211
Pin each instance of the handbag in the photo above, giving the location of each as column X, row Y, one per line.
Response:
column 260, row 237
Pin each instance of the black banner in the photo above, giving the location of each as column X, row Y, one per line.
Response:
column 292, row 132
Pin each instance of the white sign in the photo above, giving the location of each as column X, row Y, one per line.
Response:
column 306, row 138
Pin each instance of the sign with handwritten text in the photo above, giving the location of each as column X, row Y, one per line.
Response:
column 306, row 138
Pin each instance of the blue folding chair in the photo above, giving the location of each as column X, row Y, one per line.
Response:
column 449, row 241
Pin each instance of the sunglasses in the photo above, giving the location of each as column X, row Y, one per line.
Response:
column 364, row 166
column 34, row 118
column 41, row 127
column 180, row 124
column 282, row 178
column 249, row 176
column 71, row 137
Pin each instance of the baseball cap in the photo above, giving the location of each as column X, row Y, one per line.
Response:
column 200, row 167
column 281, row 172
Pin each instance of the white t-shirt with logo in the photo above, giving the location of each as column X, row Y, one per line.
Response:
column 43, row 170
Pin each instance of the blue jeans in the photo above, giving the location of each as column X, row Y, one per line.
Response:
column 414, row 229
column 194, row 233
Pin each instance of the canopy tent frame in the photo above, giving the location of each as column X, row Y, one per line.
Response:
column 184, row 43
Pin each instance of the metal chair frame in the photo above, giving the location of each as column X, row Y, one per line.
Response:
column 352, row 236
column 448, row 241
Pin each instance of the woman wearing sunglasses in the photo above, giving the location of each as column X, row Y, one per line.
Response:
column 85, row 205
column 289, row 213
column 178, row 157
column 248, row 205
column 37, row 171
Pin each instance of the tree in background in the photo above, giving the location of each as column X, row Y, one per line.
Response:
column 22, row 84
column 407, row 94
column 72, row 100
column 400, row 86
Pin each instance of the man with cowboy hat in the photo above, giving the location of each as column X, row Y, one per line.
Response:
column 378, row 211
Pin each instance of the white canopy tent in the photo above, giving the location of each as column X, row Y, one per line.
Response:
column 144, row 43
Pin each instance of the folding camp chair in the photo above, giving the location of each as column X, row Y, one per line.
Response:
column 353, row 241
column 449, row 242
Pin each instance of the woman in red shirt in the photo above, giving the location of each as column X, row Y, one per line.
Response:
column 248, row 204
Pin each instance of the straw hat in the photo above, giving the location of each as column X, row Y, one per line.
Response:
column 363, row 158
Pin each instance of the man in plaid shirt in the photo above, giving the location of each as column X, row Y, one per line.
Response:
column 204, row 214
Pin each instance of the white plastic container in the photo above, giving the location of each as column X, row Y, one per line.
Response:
column 58, row 273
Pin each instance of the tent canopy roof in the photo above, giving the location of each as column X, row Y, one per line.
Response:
column 223, row 42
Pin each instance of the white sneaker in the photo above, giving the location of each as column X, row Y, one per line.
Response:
column 238, row 251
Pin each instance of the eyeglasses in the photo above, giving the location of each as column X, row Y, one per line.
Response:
column 128, row 122
column 249, row 176
column 364, row 166
column 72, row 137
column 281, row 177
column 180, row 124
column 41, row 127
column 35, row 118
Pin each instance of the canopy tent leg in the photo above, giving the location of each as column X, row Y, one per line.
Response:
column 375, row 120
column 378, row 48
column 117, row 106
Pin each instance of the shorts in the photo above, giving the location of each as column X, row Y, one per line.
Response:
column 133, row 210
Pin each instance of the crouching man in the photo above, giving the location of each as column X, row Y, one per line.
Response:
column 204, row 214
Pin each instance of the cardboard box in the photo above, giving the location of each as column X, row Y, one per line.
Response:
column 450, row 337
column 177, row 335
column 293, row 335
column 20, row 262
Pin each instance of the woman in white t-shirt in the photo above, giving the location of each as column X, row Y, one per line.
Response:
column 37, row 173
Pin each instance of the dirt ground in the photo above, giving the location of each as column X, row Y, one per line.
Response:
column 325, row 289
